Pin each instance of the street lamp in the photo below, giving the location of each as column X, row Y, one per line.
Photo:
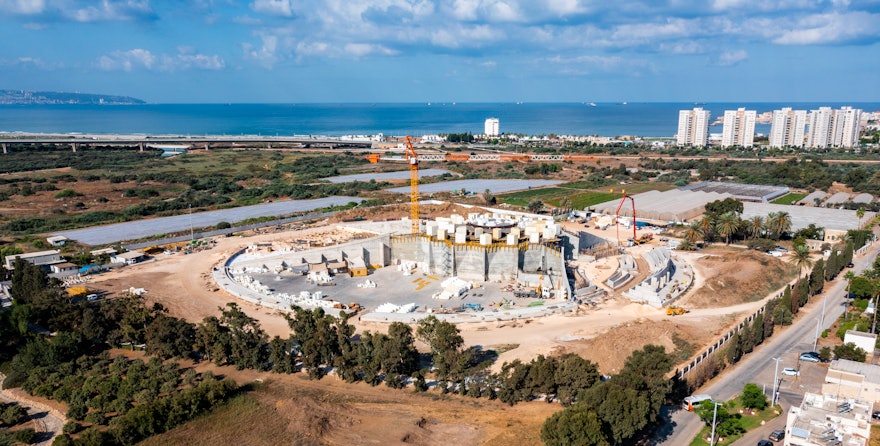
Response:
column 191, row 235
column 775, row 382
column 714, row 418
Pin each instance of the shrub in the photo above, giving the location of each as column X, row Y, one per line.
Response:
column 67, row 193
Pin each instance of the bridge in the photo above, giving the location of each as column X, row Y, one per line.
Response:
column 199, row 142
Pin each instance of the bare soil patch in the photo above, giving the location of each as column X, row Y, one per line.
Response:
column 732, row 276
column 289, row 409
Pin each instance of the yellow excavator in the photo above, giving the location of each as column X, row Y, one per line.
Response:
column 675, row 311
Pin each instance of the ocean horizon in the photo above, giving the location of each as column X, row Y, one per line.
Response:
column 647, row 119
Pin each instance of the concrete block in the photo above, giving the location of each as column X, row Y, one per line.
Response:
column 478, row 233
column 534, row 237
column 496, row 233
column 460, row 238
column 457, row 219
column 485, row 239
column 512, row 239
column 441, row 233
column 431, row 229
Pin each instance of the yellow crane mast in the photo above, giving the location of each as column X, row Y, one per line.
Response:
column 412, row 159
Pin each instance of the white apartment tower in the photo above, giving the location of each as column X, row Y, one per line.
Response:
column 693, row 127
column 834, row 128
column 739, row 128
column 847, row 126
column 491, row 127
column 787, row 128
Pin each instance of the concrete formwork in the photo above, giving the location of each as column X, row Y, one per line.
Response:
column 441, row 258
column 470, row 262
column 502, row 263
column 531, row 259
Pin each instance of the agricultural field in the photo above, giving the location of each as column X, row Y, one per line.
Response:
column 790, row 198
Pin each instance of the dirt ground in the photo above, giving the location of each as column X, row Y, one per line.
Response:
column 290, row 409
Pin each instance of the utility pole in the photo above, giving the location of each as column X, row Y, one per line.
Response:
column 714, row 418
column 191, row 235
column 775, row 382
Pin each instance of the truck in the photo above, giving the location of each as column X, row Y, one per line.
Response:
column 475, row 307
column 693, row 401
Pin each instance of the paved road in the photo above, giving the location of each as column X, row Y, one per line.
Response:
column 47, row 422
column 758, row 367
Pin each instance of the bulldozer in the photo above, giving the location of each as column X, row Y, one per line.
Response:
column 675, row 311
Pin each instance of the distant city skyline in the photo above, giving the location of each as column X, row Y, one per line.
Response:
column 281, row 51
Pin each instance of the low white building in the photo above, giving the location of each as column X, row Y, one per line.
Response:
column 853, row 379
column 129, row 258
column 57, row 240
column 35, row 258
column 864, row 341
column 64, row 268
column 822, row 420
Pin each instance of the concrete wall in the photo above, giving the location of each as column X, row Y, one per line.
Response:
column 502, row 263
column 441, row 258
column 531, row 259
column 373, row 251
column 470, row 262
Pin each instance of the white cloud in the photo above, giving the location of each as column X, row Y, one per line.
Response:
column 112, row 10
column 729, row 58
column 283, row 8
column 363, row 49
column 127, row 60
column 139, row 58
column 831, row 28
column 25, row 7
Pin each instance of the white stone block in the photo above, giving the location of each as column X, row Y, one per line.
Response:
column 534, row 237
column 486, row 239
column 460, row 238
column 512, row 239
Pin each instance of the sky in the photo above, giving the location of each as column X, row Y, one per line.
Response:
column 254, row 51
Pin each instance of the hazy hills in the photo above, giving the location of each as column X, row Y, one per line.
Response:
column 23, row 97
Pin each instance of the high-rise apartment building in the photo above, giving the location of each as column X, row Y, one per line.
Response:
column 693, row 127
column 739, row 128
column 491, row 127
column 787, row 128
column 834, row 128
column 847, row 126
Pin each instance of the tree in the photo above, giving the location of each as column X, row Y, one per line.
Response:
column 535, row 206
column 801, row 258
column 720, row 207
column 860, row 212
column 850, row 351
column 817, row 277
column 574, row 376
column 755, row 226
column 727, row 225
column 577, row 425
column 694, row 232
column 170, row 337
column 753, row 397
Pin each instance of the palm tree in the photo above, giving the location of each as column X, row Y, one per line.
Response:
column 801, row 257
column 694, row 232
column 727, row 225
column 686, row 245
column 755, row 226
column 860, row 212
column 707, row 224
column 781, row 223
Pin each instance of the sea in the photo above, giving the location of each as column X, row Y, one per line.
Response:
column 652, row 119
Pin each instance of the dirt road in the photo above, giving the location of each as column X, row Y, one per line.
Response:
column 47, row 421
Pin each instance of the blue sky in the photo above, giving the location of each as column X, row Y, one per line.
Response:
column 453, row 50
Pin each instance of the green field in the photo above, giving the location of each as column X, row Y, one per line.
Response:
column 585, row 199
column 582, row 194
column 791, row 198
column 523, row 198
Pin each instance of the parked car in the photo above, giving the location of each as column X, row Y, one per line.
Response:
column 780, row 249
column 809, row 357
column 850, row 265
column 876, row 415
column 765, row 443
column 777, row 435
column 790, row 371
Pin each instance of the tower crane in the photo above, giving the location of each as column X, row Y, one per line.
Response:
column 412, row 158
